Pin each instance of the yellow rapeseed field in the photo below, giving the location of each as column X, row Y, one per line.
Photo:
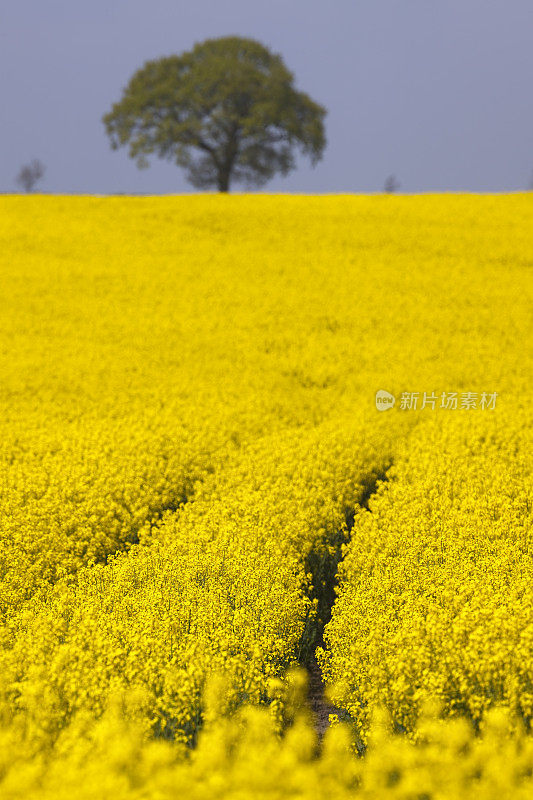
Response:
column 189, row 443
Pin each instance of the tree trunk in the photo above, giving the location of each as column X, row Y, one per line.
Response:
column 223, row 180
column 226, row 166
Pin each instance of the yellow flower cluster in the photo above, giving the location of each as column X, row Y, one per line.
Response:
column 436, row 587
column 220, row 585
column 241, row 756
column 188, row 429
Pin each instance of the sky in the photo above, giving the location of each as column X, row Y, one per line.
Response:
column 437, row 92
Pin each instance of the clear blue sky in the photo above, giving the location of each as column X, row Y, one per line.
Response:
column 439, row 92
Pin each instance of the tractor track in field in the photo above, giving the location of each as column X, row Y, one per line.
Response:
column 316, row 698
column 325, row 578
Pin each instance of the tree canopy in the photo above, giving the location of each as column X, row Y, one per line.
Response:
column 30, row 174
column 226, row 111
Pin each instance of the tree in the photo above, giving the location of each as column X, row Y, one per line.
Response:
column 391, row 185
column 30, row 174
column 226, row 111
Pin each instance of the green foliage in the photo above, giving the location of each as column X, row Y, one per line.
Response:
column 225, row 111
